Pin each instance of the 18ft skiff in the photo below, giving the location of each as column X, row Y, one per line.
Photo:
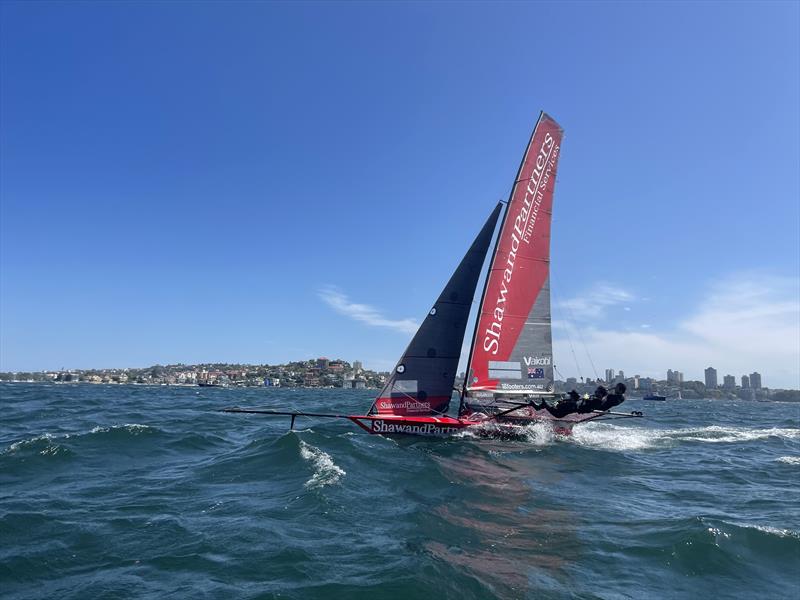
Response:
column 511, row 352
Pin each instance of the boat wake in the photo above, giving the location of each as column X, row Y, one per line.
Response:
column 615, row 437
column 326, row 472
column 540, row 433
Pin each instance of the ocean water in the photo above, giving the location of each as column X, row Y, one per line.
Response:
column 148, row 492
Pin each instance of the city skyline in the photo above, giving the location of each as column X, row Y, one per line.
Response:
column 216, row 192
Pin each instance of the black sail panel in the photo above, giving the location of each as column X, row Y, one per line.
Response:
column 422, row 382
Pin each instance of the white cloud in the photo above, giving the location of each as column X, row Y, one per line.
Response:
column 364, row 312
column 748, row 322
column 594, row 303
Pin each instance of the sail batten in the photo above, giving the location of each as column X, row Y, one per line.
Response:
column 513, row 327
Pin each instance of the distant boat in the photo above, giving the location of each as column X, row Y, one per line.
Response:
column 655, row 397
column 511, row 355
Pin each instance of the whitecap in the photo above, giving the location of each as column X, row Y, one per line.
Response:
column 780, row 532
column 789, row 460
column 326, row 472
column 50, row 448
column 133, row 428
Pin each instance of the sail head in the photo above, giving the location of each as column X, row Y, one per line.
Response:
column 422, row 381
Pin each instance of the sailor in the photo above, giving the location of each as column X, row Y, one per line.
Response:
column 593, row 402
column 615, row 399
column 563, row 407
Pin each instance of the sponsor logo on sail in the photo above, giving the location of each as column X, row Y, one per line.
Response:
column 524, row 223
column 407, row 405
column 533, row 361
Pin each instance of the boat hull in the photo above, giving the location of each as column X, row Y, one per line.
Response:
column 505, row 427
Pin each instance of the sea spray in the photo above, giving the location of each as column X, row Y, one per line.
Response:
column 326, row 472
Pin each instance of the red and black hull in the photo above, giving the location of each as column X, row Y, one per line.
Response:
column 445, row 426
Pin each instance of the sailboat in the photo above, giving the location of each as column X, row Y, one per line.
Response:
column 511, row 351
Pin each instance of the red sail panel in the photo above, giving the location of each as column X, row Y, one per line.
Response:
column 512, row 350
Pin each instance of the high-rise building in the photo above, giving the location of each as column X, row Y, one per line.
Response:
column 609, row 375
column 674, row 376
column 636, row 382
column 357, row 366
column 745, row 382
column 755, row 380
column 729, row 382
column 621, row 375
column 711, row 378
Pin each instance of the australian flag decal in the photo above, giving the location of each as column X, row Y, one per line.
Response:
column 535, row 373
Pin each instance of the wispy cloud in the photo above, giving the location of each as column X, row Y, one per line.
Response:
column 747, row 322
column 364, row 313
column 594, row 303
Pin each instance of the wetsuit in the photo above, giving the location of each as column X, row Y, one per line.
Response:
column 561, row 409
column 611, row 401
column 590, row 404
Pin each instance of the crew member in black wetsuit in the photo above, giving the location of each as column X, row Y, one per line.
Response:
column 593, row 402
column 563, row 407
column 615, row 399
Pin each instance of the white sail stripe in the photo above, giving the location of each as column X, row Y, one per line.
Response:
column 505, row 374
column 505, row 364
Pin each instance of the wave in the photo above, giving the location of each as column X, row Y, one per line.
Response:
column 47, row 443
column 43, row 444
column 326, row 472
column 131, row 428
column 614, row 437
column 789, row 460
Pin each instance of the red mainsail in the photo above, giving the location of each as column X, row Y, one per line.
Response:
column 512, row 350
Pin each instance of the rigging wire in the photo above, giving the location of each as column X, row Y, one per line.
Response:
column 583, row 342
column 571, row 347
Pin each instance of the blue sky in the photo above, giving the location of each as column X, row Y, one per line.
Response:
column 267, row 182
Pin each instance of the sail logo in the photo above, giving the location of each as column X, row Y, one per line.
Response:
column 531, row 361
column 522, row 231
column 408, row 405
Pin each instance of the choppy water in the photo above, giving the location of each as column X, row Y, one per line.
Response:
column 140, row 492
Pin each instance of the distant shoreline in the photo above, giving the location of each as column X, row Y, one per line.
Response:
column 792, row 396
